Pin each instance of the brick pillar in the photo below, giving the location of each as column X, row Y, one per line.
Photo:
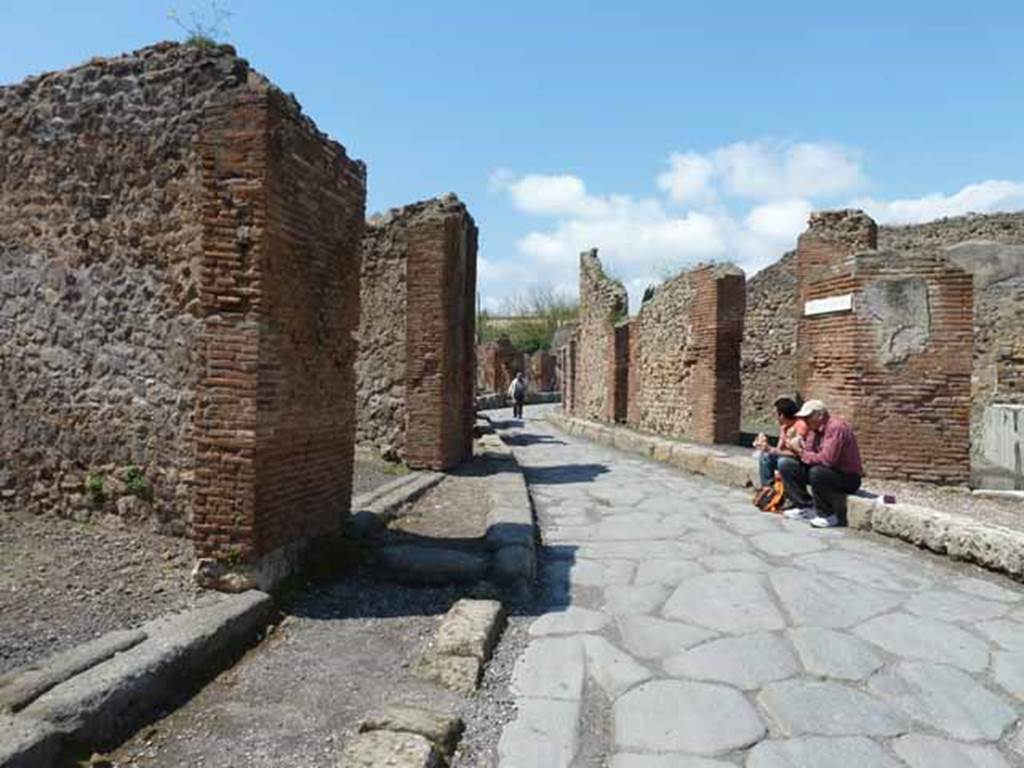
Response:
column 886, row 341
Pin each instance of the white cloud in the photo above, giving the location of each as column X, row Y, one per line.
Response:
column 746, row 203
column 762, row 170
column 782, row 220
column 982, row 197
column 689, row 178
column 550, row 195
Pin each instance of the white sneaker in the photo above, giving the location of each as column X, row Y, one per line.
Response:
column 825, row 522
column 800, row 513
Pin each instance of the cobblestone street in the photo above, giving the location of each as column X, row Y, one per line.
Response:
column 701, row 633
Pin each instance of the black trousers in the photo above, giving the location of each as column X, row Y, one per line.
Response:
column 829, row 487
column 517, row 407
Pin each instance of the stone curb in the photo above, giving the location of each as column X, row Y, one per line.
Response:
column 511, row 533
column 990, row 546
column 105, row 703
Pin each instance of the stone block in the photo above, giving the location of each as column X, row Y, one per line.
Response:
column 443, row 730
column 470, row 628
column 394, row 749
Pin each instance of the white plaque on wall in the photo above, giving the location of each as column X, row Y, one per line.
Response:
column 829, row 304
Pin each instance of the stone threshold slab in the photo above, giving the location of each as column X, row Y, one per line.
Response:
column 991, row 546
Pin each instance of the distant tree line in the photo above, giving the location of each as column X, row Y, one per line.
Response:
column 529, row 320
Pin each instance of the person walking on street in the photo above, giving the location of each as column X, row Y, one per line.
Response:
column 517, row 392
column 829, row 462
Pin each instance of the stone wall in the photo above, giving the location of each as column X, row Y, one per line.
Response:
column 603, row 302
column 891, row 349
column 416, row 368
column 686, row 356
column 768, row 364
column 542, row 375
column 497, row 364
column 990, row 247
column 180, row 281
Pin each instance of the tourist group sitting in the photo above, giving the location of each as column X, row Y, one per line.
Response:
column 816, row 450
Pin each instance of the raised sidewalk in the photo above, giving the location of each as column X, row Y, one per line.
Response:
column 992, row 546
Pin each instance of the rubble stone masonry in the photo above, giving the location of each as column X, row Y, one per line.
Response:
column 603, row 302
column 179, row 249
column 416, row 367
column 892, row 353
column 990, row 247
column 685, row 356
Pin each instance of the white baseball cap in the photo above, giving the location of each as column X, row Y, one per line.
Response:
column 811, row 406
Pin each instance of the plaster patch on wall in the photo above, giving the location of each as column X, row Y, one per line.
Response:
column 902, row 315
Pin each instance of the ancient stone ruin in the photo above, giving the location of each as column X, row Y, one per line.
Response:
column 885, row 339
column 913, row 333
column 497, row 364
column 674, row 368
column 603, row 303
column 991, row 249
column 415, row 371
column 684, row 354
column 180, row 279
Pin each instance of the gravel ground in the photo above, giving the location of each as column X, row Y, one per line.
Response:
column 370, row 473
column 955, row 500
column 62, row 583
column 342, row 651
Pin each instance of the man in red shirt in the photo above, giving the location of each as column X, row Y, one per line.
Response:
column 829, row 462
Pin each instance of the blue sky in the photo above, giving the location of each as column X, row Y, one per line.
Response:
column 663, row 133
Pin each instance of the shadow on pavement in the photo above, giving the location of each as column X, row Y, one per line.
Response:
column 564, row 473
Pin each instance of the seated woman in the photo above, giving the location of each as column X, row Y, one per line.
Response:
column 792, row 432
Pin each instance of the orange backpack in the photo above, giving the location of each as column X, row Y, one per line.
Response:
column 771, row 497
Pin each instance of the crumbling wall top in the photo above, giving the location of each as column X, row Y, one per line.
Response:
column 851, row 228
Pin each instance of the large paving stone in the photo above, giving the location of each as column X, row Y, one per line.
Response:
column 746, row 662
column 1007, row 634
column 865, row 570
column 945, row 699
column 623, row 600
column 916, row 637
column 829, row 709
column 615, row 671
column 921, row 751
column 738, row 603
column 545, row 732
column 630, row 760
column 717, row 540
column 600, row 573
column 740, row 561
column 1008, row 672
column 818, row 752
column 826, row 653
column 666, row 572
column 824, row 602
column 988, row 590
column 676, row 716
column 550, row 668
column 570, row 621
column 947, row 605
column 787, row 544
column 647, row 637
column 748, row 525
column 639, row 550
